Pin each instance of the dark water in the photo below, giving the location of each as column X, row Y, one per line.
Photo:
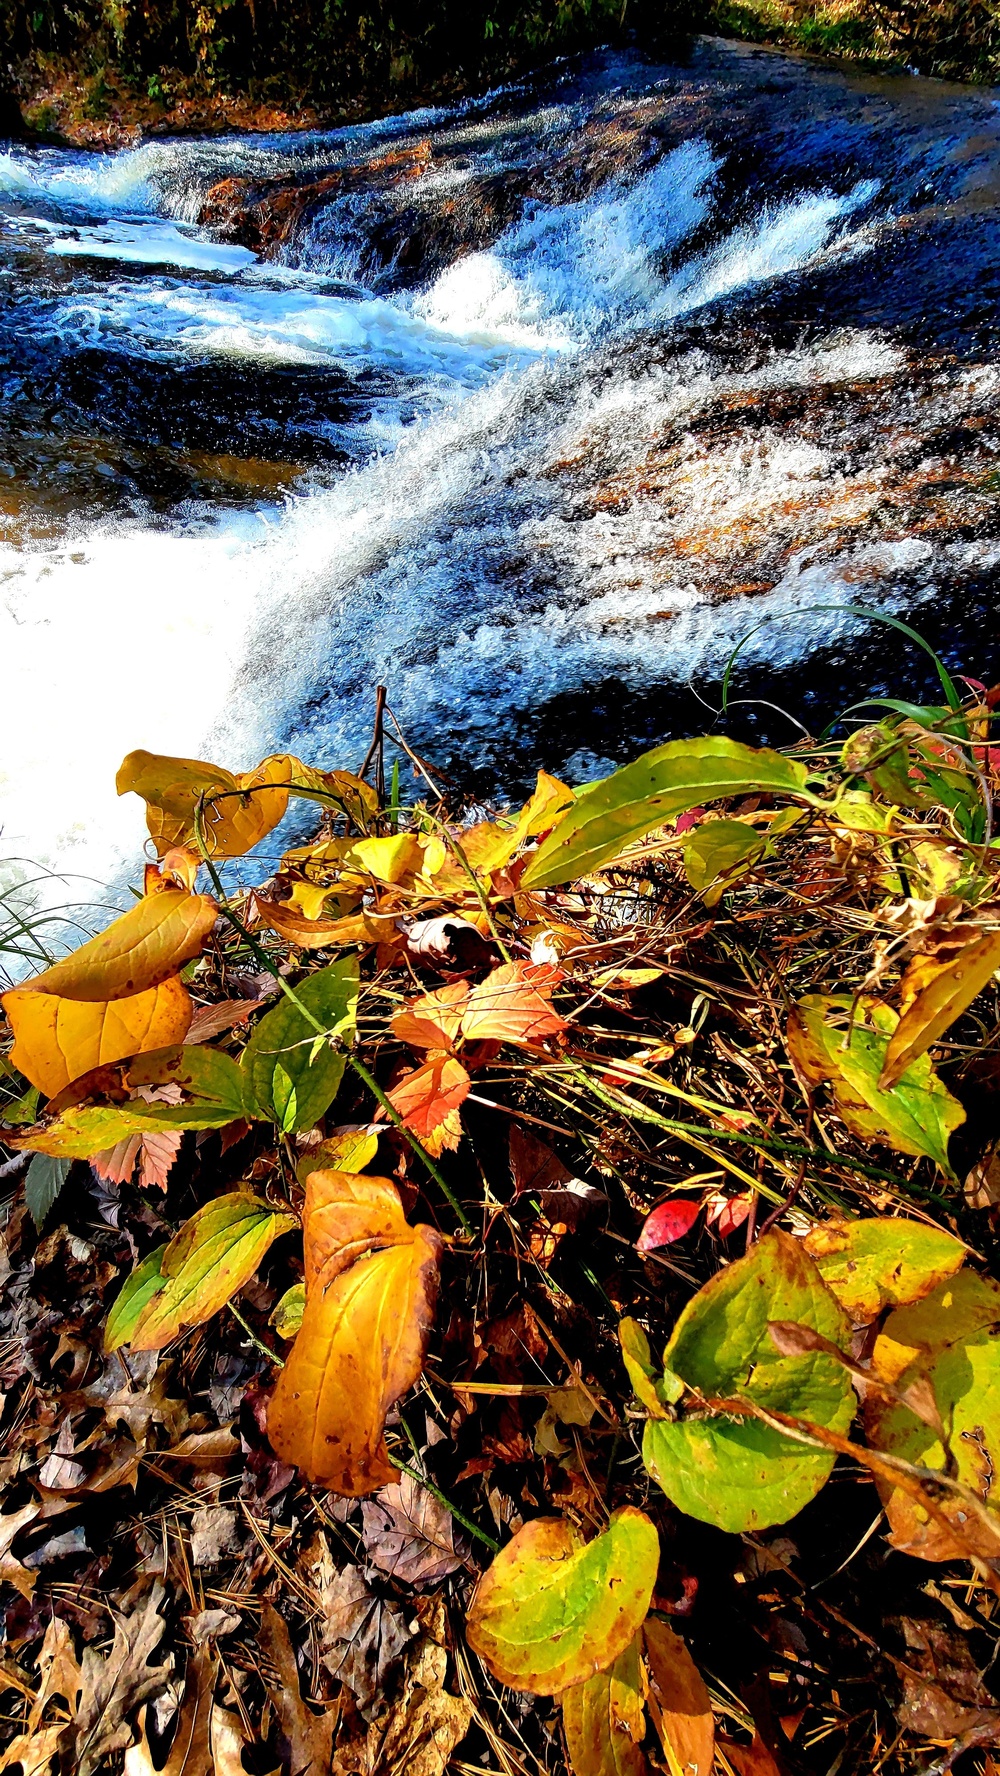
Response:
column 529, row 410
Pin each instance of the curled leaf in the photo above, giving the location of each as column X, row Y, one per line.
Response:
column 371, row 1281
column 248, row 805
column 553, row 1609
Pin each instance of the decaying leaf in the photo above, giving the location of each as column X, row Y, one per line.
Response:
column 362, row 1636
column 873, row 1264
column 310, row 1735
column 737, row 1473
column 114, row 1688
column 554, row 1609
column 409, row 1534
column 917, row 1116
column 371, row 1283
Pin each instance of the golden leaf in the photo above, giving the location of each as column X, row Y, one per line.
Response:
column 56, row 1040
column 249, row 804
column 371, row 1281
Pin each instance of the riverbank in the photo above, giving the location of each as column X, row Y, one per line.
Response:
column 106, row 82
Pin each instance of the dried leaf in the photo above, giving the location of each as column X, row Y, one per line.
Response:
column 410, row 1535
column 363, row 1637
column 309, row 1735
column 113, row 1689
column 553, row 1609
column 12, row 1572
column 371, row 1282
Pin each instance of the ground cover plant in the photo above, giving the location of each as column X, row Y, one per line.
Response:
column 513, row 1292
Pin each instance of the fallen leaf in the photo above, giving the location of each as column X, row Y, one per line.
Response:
column 346, row 1149
column 309, row 1735
column 113, row 1689
column 12, row 1572
column 58, row 1039
column 553, row 1609
column 362, row 1636
column 371, row 1282
column 670, row 1222
column 678, row 1700
column 409, row 1535
column 141, row 949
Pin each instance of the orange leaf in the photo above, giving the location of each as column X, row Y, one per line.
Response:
column 56, row 1040
column 513, row 1005
column 678, row 1700
column 157, row 1152
column 321, row 934
column 150, row 942
column 172, row 788
column 371, row 1282
column 428, row 1101
column 433, row 1021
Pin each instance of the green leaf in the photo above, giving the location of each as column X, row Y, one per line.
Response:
column 949, row 1342
column 137, row 1291
column 917, row 1115
column 212, row 1256
column 604, row 1719
column 210, row 1076
column 553, row 1609
column 43, row 1181
column 346, row 1149
column 739, row 1473
column 609, row 814
column 287, row 1316
column 638, row 1361
column 23, row 1109
column 86, row 1129
column 718, row 848
column 283, row 1077
column 874, row 1264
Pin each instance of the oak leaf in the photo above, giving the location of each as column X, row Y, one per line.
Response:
column 371, row 1281
column 409, row 1535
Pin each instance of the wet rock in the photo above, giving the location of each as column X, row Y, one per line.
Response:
column 265, row 214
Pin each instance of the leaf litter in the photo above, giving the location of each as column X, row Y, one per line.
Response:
column 505, row 1300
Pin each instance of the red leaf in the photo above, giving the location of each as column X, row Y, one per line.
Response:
column 671, row 1221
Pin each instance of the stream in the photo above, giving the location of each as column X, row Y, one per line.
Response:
column 529, row 409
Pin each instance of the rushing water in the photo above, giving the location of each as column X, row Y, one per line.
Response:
column 530, row 413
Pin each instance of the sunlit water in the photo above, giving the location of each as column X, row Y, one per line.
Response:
column 676, row 352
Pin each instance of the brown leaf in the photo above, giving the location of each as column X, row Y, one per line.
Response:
column 113, row 1689
column 33, row 1752
column 750, row 1760
column 309, row 1735
column 12, row 1572
column 371, row 1281
column 678, row 1700
column 409, row 1535
column 362, row 1636
column 943, row 1694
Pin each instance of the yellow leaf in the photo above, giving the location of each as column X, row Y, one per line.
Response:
column 392, row 859
column 147, row 944
column 371, row 1281
column 232, row 824
column 56, row 1040
column 604, row 1720
column 934, row 995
